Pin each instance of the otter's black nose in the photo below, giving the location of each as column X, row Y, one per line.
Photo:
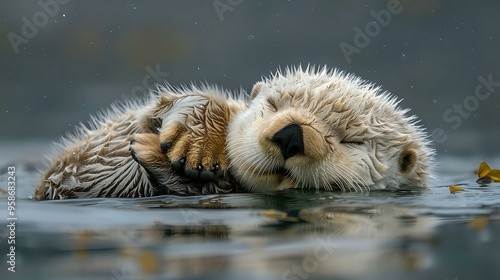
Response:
column 290, row 140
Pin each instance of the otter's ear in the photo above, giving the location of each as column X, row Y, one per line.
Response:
column 256, row 89
column 407, row 160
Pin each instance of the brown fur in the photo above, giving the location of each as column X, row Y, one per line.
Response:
column 202, row 141
column 350, row 135
column 120, row 154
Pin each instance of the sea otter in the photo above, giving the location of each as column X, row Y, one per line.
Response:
column 301, row 128
column 118, row 154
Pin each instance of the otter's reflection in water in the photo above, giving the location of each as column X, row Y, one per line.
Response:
column 343, row 240
column 317, row 241
column 365, row 220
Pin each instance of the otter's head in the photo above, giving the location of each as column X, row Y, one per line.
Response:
column 324, row 129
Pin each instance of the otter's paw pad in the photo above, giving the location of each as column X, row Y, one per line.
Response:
column 178, row 165
column 198, row 172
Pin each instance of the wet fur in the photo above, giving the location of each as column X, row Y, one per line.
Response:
column 118, row 154
column 355, row 138
column 355, row 135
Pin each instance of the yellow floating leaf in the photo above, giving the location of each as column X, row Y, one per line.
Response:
column 478, row 223
column 484, row 169
column 455, row 189
column 494, row 175
column 485, row 173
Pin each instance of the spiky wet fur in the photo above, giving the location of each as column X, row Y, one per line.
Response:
column 96, row 160
column 356, row 138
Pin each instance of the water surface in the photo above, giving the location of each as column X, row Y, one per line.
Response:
column 404, row 234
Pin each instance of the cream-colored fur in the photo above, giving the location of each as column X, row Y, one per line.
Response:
column 345, row 134
column 355, row 137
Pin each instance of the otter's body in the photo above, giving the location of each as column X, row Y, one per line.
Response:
column 97, row 161
column 301, row 129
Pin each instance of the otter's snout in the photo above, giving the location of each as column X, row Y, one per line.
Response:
column 290, row 139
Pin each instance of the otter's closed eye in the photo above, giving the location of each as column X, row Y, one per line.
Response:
column 351, row 142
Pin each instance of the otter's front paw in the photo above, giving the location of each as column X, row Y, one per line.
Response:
column 145, row 150
column 197, row 147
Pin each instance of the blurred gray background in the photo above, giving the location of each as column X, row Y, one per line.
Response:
column 62, row 60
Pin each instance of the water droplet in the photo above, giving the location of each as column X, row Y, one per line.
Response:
column 64, row 15
column 251, row 37
column 434, row 101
